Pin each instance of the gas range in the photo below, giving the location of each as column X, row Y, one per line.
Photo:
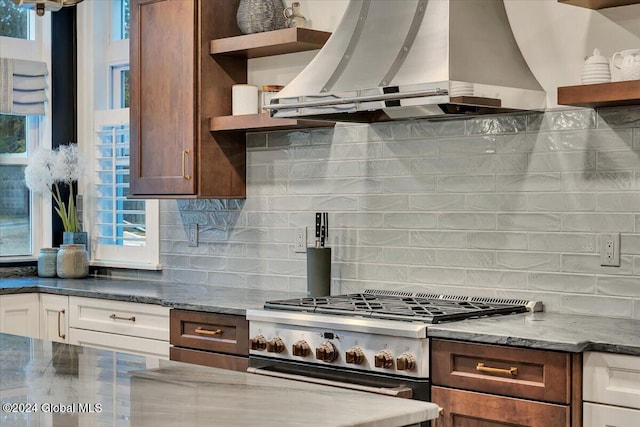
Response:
column 382, row 332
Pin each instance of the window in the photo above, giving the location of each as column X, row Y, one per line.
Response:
column 124, row 232
column 121, row 233
column 22, row 231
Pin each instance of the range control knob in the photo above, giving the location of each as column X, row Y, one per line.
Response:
column 258, row 343
column 355, row 355
column 301, row 348
column 326, row 352
column 406, row 362
column 275, row 345
column 384, row 359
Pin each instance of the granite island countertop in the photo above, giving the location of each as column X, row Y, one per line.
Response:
column 547, row 331
column 104, row 388
column 213, row 299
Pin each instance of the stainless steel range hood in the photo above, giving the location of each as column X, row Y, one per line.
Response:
column 400, row 59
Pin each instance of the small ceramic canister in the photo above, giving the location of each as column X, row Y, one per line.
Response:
column 596, row 69
column 73, row 261
column 47, row 260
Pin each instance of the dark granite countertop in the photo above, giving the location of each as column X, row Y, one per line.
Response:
column 42, row 380
column 548, row 331
column 211, row 299
column 552, row 331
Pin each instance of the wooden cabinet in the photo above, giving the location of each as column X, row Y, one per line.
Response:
column 19, row 315
column 175, row 88
column 135, row 328
column 611, row 390
column 480, row 385
column 184, row 58
column 54, row 318
column 218, row 340
column 599, row 4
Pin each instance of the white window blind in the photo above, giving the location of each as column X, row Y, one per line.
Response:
column 124, row 232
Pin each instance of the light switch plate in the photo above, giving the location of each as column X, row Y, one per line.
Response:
column 193, row 235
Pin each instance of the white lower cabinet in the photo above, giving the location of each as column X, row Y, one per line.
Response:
column 136, row 328
column 54, row 318
column 611, row 390
column 19, row 314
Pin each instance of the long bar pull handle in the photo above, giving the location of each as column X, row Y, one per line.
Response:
column 201, row 331
column 511, row 371
column 400, row 391
column 130, row 319
column 184, row 163
column 60, row 334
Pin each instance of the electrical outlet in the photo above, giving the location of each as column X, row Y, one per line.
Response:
column 193, row 234
column 301, row 239
column 610, row 249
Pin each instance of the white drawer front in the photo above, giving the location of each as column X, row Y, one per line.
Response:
column 596, row 415
column 612, row 379
column 119, row 343
column 116, row 317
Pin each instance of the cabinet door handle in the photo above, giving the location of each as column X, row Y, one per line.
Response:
column 184, row 163
column 511, row 371
column 201, row 331
column 60, row 334
column 130, row 319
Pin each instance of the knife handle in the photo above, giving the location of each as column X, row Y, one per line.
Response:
column 318, row 224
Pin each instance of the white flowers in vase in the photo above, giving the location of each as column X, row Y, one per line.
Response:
column 47, row 169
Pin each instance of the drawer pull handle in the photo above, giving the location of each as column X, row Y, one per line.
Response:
column 60, row 334
column 201, row 331
column 184, row 163
column 511, row 371
column 130, row 319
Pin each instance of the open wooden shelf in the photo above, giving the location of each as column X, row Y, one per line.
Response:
column 269, row 43
column 599, row 4
column 261, row 123
column 601, row 94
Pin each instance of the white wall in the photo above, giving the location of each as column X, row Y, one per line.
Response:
column 554, row 39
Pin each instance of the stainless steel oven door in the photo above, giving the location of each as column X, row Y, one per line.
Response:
column 390, row 385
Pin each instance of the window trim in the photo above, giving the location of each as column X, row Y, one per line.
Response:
column 93, row 95
column 37, row 48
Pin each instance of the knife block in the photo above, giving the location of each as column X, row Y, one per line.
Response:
column 318, row 272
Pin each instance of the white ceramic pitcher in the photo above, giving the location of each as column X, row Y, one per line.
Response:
column 628, row 61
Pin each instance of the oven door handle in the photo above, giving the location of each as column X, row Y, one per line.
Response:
column 404, row 392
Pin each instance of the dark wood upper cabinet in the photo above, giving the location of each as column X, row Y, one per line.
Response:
column 175, row 88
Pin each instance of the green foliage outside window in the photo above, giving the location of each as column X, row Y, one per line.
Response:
column 13, row 138
column 13, row 20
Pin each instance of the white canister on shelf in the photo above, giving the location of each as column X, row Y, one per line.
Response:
column 244, row 99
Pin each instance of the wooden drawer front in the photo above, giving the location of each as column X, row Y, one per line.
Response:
column 541, row 375
column 199, row 357
column 470, row 409
column 117, row 317
column 612, row 378
column 223, row 333
column 596, row 415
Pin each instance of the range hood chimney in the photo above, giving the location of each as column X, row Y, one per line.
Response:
column 402, row 59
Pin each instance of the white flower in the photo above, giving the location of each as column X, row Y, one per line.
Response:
column 38, row 174
column 65, row 166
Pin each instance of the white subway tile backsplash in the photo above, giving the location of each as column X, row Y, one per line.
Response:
column 596, row 222
column 497, row 240
column 467, row 221
column 438, row 239
column 405, row 220
column 562, row 282
column 562, row 242
column 529, row 221
column 507, row 206
column 619, row 286
column 497, row 279
column 530, row 261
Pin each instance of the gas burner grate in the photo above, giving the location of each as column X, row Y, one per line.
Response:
column 401, row 306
